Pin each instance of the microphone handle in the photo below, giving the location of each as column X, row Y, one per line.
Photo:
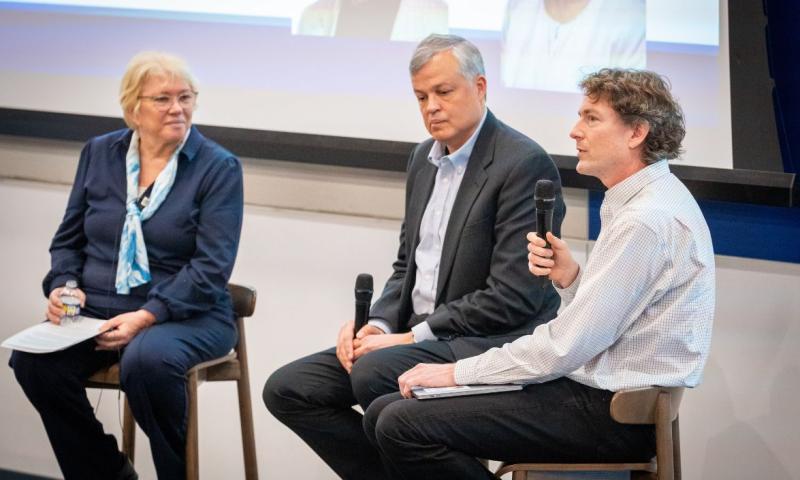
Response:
column 362, row 314
column 544, row 223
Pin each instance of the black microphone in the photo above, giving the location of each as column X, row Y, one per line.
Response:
column 363, row 300
column 544, row 194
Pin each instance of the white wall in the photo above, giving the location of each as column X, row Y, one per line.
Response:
column 741, row 423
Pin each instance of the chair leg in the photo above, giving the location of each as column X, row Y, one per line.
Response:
column 248, row 435
column 192, row 458
column 128, row 431
column 676, row 448
column 664, row 454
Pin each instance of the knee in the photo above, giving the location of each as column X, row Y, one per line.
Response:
column 280, row 393
column 36, row 374
column 367, row 380
column 148, row 364
column 372, row 415
column 390, row 427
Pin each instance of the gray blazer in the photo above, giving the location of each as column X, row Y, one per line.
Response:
column 485, row 294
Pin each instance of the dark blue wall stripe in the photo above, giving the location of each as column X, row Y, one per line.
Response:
column 738, row 229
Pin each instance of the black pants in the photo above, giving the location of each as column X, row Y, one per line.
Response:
column 557, row 421
column 152, row 373
column 314, row 397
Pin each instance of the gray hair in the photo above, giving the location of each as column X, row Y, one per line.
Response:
column 470, row 62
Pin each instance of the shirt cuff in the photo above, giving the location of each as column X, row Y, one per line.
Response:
column 422, row 331
column 567, row 294
column 464, row 372
column 158, row 309
column 377, row 322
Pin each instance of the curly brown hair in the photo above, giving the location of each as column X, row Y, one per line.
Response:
column 641, row 96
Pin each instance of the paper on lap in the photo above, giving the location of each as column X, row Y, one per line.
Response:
column 48, row 337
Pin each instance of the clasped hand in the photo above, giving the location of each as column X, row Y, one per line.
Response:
column 368, row 338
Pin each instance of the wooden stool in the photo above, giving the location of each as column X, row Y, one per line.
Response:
column 643, row 406
column 230, row 367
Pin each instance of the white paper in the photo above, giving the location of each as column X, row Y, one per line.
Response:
column 48, row 337
column 424, row 393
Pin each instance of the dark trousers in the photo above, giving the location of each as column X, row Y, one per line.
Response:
column 555, row 422
column 314, row 397
column 152, row 373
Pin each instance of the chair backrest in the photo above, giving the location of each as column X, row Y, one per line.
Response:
column 244, row 299
column 638, row 406
column 656, row 406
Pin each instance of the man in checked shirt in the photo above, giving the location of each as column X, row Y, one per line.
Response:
column 638, row 314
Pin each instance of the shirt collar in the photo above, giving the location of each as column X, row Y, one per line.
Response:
column 188, row 147
column 461, row 156
column 618, row 195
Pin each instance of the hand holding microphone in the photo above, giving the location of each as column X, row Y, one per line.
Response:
column 344, row 343
column 363, row 291
column 549, row 256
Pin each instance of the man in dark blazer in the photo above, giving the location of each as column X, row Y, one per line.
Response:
column 460, row 284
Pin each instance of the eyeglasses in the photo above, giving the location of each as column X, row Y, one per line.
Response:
column 164, row 102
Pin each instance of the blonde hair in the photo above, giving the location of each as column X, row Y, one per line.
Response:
column 142, row 67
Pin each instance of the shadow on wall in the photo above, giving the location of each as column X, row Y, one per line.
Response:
column 739, row 450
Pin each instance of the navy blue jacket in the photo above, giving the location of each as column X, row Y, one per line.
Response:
column 191, row 239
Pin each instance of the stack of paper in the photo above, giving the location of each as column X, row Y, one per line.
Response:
column 48, row 337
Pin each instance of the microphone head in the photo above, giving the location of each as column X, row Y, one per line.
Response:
column 544, row 194
column 364, row 287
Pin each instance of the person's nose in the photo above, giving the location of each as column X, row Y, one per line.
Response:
column 175, row 107
column 576, row 133
column 432, row 105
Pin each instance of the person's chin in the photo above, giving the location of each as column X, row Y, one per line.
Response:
column 440, row 134
column 582, row 167
column 177, row 130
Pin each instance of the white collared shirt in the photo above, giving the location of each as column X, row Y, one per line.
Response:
column 639, row 314
column 451, row 168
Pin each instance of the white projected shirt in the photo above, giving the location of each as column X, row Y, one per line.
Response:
column 545, row 54
column 414, row 20
column 639, row 314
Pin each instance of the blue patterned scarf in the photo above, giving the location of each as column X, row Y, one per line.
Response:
column 133, row 268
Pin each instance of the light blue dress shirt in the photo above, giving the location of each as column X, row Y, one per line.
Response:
column 451, row 168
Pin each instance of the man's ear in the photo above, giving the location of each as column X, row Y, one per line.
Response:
column 638, row 134
column 480, row 83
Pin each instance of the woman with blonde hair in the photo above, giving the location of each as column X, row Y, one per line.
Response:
column 150, row 235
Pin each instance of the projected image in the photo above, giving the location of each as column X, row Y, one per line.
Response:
column 340, row 67
column 399, row 20
column 552, row 44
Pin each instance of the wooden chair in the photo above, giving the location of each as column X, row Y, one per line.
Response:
column 643, row 406
column 230, row 367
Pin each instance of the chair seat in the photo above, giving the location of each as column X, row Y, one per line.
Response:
column 216, row 370
column 105, row 378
